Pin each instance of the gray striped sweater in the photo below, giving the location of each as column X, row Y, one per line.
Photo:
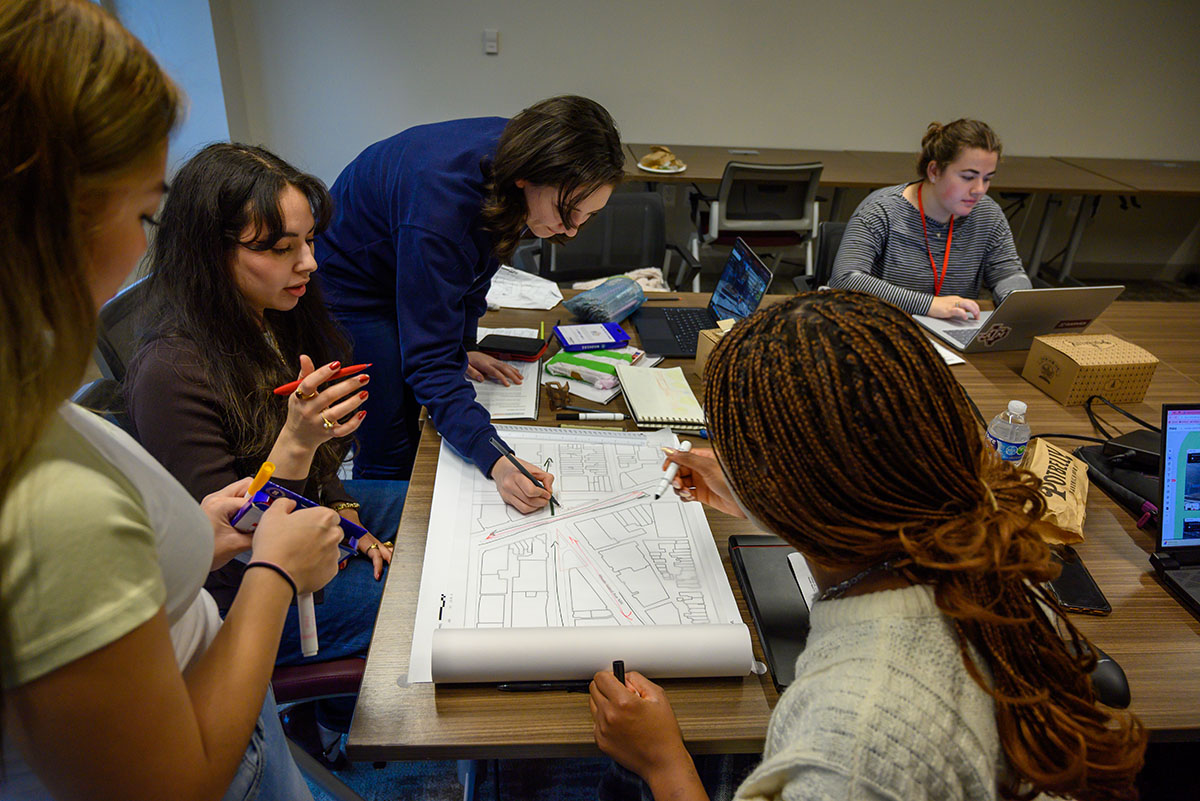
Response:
column 883, row 253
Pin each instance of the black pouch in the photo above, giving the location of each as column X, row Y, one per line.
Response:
column 1137, row 491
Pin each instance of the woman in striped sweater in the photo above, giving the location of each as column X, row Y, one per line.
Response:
column 929, row 246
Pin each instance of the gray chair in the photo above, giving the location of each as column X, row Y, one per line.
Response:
column 629, row 233
column 773, row 207
column 829, row 238
column 117, row 331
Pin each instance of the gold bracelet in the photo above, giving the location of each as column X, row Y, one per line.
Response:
column 342, row 506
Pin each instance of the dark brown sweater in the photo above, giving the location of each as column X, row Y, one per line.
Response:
column 179, row 419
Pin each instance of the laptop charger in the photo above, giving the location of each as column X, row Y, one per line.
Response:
column 1138, row 450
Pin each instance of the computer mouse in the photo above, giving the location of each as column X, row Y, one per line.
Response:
column 1109, row 682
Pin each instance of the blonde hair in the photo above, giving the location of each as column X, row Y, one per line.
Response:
column 82, row 104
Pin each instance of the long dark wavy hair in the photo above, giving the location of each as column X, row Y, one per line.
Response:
column 228, row 196
column 568, row 142
column 843, row 431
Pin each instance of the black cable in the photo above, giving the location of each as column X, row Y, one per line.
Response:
column 1087, row 407
column 975, row 409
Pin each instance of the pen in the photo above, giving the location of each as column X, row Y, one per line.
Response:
column 672, row 471
column 651, row 297
column 260, row 478
column 590, row 416
column 543, row 334
column 345, row 371
column 580, row 409
column 580, row 686
column 619, row 670
column 507, row 454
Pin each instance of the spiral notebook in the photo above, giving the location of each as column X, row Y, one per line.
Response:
column 660, row 397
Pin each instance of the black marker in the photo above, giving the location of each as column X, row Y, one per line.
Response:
column 543, row 686
column 619, row 670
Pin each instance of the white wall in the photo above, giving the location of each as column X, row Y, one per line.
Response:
column 318, row 80
column 321, row 79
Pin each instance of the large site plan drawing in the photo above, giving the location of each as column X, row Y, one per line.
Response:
column 610, row 556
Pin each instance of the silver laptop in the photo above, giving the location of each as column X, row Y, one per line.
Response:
column 1177, row 557
column 1025, row 314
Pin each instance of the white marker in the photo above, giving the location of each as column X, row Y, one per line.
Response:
column 308, row 624
column 672, row 471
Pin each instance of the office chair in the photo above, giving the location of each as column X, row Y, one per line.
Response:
column 771, row 206
column 629, row 233
column 829, row 238
column 117, row 330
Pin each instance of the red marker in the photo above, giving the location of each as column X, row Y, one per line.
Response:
column 345, row 371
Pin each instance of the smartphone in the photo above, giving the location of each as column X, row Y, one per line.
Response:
column 501, row 346
column 1075, row 588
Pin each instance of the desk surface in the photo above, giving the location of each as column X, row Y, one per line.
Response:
column 875, row 168
column 1144, row 175
column 1154, row 639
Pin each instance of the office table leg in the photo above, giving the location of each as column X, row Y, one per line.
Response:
column 1077, row 228
column 1043, row 233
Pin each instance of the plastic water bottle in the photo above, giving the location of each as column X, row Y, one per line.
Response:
column 1008, row 432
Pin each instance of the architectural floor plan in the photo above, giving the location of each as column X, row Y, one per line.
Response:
column 610, row 556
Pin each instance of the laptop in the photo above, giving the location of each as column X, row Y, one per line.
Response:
column 1177, row 557
column 674, row 332
column 1025, row 314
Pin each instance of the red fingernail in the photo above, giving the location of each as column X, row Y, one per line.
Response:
column 363, row 394
column 362, row 379
column 334, row 365
column 361, row 415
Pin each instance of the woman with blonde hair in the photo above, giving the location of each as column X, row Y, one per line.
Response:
column 934, row 666
column 930, row 246
column 119, row 679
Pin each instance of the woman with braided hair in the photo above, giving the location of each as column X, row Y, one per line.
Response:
column 934, row 666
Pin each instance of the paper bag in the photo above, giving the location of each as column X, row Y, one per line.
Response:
column 1064, row 486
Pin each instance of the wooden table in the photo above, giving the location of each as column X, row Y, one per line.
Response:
column 1143, row 175
column 1154, row 639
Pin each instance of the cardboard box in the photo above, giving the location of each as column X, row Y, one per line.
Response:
column 1072, row 367
column 704, row 347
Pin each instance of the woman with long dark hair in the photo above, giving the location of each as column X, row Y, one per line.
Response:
column 934, row 666
column 231, row 313
column 422, row 222
column 120, row 679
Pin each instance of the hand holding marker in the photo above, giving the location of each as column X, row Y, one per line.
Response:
column 304, row 603
column 672, row 471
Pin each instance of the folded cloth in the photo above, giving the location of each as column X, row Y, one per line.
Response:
column 650, row 279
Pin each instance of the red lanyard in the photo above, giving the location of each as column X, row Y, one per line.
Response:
column 937, row 279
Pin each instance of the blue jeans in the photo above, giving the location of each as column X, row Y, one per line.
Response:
column 388, row 436
column 346, row 615
column 267, row 771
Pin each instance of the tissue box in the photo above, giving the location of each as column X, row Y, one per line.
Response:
column 704, row 346
column 1072, row 367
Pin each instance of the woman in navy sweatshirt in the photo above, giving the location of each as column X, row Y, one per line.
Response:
column 422, row 221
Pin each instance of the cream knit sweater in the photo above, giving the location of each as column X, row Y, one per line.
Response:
column 881, row 708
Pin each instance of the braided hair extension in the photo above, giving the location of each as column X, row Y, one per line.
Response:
column 843, row 431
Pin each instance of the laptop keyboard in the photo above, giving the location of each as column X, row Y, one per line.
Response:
column 686, row 325
column 961, row 335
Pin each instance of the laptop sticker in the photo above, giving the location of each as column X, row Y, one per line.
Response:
column 997, row 333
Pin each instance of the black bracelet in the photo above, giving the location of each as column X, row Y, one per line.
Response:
column 280, row 571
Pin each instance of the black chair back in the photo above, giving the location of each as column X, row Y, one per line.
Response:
column 630, row 232
column 829, row 238
column 117, row 333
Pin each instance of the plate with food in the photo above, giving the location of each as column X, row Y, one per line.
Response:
column 661, row 160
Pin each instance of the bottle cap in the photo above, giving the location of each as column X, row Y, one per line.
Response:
column 1017, row 407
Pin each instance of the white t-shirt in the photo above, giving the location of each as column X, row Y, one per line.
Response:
column 95, row 537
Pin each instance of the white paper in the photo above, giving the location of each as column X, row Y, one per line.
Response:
column 517, row 289
column 948, row 356
column 516, row 401
column 504, row 654
column 528, row 333
column 611, row 557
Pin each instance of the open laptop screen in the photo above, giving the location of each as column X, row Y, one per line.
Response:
column 742, row 285
column 1181, row 476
